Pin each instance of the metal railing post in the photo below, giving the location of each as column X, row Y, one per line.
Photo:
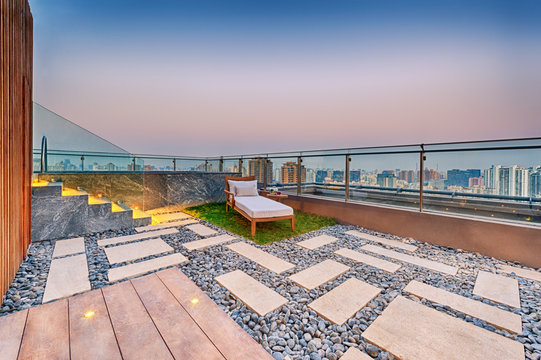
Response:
column 346, row 177
column 240, row 166
column 299, row 175
column 206, row 165
column 44, row 154
column 174, row 164
column 133, row 164
column 421, row 176
column 265, row 174
column 82, row 163
column 221, row 166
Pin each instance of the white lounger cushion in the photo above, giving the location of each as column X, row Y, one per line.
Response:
column 260, row 207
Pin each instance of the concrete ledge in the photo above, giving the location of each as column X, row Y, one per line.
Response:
column 520, row 243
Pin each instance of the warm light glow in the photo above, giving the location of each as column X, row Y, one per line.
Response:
column 475, row 209
column 89, row 314
column 446, row 208
column 491, row 214
column 195, row 301
column 528, row 218
column 514, row 211
column 100, row 195
column 503, row 205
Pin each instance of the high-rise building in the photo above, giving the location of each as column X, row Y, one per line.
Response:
column 522, row 180
column 355, row 176
column 457, row 177
column 492, row 178
column 256, row 167
column 338, row 176
column 310, row 175
column 386, row 179
column 407, row 175
column 507, row 180
column 476, row 181
column 321, row 175
column 535, row 184
column 289, row 173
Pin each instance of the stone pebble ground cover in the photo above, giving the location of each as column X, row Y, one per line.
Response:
column 294, row 329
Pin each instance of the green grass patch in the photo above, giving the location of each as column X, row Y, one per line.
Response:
column 267, row 231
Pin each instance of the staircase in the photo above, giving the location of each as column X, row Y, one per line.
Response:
column 59, row 212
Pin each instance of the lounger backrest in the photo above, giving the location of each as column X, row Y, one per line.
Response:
column 237, row 178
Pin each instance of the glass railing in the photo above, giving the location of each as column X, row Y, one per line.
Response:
column 490, row 179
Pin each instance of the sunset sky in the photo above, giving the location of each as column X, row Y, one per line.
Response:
column 226, row 77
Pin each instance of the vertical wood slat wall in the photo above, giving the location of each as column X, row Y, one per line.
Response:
column 16, row 52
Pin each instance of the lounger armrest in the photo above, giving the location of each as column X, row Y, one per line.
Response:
column 230, row 197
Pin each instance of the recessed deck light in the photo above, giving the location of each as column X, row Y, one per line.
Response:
column 195, row 301
column 89, row 314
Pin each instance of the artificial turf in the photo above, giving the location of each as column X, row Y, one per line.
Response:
column 266, row 232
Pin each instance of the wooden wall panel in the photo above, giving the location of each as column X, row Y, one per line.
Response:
column 16, row 52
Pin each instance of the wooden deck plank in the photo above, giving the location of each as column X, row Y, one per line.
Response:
column 11, row 332
column 91, row 336
column 182, row 335
column 136, row 334
column 46, row 335
column 229, row 338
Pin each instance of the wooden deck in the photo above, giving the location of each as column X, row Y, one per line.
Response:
column 158, row 316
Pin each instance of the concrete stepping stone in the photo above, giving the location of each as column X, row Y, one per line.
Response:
column 165, row 218
column 491, row 314
column 129, row 252
column 524, row 273
column 67, row 276
column 251, row 292
column 381, row 240
column 429, row 264
column 369, row 260
column 317, row 241
column 412, row 331
column 498, row 288
column 165, row 225
column 355, row 354
column 69, row 247
column 143, row 267
column 211, row 241
column 342, row 302
column 128, row 238
column 201, row 230
column 261, row 257
column 319, row 274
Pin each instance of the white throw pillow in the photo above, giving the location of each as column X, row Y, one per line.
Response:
column 233, row 184
column 248, row 189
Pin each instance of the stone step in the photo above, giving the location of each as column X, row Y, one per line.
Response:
column 355, row 354
column 211, row 241
column 411, row 331
column 128, row 238
column 165, row 218
column 429, row 264
column 67, row 276
column 201, row 230
column 251, row 292
column 319, row 274
column 69, row 247
column 166, row 225
column 369, row 260
column 342, row 302
column 492, row 315
column 143, row 267
column 138, row 250
column 381, row 240
column 261, row 257
column 498, row 288
column 316, row 242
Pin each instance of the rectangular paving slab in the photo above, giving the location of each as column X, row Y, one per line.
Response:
column 67, row 276
column 211, row 241
column 342, row 302
column 411, row 331
column 355, row 354
column 164, row 218
column 491, row 314
column 317, row 241
column 261, row 257
column 369, row 260
column 251, row 292
column 528, row 274
column 319, row 274
column 127, row 238
column 498, row 288
column 201, row 230
column 165, row 225
column 429, row 264
column 381, row 240
column 134, row 251
column 69, row 247
column 143, row 267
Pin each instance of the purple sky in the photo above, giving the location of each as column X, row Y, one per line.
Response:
column 208, row 79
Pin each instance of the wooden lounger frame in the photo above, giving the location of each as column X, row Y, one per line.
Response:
column 230, row 203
